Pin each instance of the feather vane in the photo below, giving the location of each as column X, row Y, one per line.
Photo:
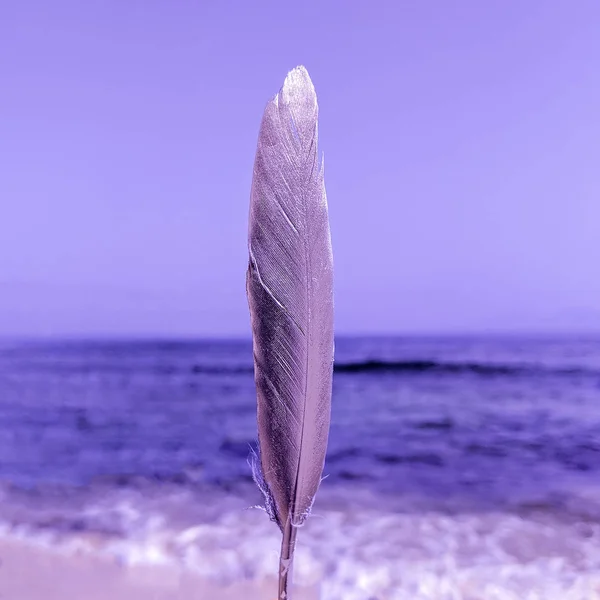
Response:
column 290, row 294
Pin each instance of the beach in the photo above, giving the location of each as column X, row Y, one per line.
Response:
column 457, row 469
column 348, row 551
column 29, row 573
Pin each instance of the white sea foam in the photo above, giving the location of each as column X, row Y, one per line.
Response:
column 363, row 554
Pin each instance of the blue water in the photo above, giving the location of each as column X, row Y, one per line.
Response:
column 479, row 420
column 454, row 464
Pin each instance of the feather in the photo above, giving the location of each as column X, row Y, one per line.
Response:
column 290, row 294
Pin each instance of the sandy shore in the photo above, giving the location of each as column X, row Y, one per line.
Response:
column 31, row 573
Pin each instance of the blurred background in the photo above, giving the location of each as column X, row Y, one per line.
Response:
column 461, row 143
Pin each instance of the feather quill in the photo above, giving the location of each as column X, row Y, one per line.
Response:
column 290, row 294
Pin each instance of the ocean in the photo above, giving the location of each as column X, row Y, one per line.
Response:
column 458, row 467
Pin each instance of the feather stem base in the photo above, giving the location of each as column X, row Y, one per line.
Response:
column 286, row 558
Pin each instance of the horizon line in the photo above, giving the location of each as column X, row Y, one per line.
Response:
column 191, row 338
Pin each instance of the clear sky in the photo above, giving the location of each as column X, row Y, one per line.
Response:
column 462, row 161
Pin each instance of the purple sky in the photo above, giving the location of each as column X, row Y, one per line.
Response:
column 461, row 141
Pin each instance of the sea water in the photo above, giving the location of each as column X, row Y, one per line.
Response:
column 458, row 468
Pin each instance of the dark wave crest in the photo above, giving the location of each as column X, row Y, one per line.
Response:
column 374, row 366
column 476, row 368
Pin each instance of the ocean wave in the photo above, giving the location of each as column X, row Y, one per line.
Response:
column 352, row 552
column 449, row 367
column 371, row 366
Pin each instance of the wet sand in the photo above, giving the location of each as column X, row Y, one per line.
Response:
column 28, row 572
